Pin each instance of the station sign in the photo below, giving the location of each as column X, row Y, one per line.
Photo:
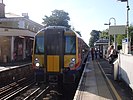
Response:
column 117, row 29
column 124, row 40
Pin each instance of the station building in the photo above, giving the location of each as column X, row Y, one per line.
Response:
column 16, row 36
column 102, row 45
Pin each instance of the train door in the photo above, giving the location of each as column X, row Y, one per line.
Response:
column 54, row 49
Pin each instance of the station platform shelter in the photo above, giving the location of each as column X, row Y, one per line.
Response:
column 15, row 44
column 16, row 35
column 102, row 45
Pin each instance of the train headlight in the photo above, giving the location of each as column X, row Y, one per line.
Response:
column 83, row 50
column 72, row 63
column 36, row 59
column 73, row 60
column 37, row 64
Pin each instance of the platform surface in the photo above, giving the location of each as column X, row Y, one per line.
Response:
column 92, row 85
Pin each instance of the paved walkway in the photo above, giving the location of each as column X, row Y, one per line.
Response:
column 92, row 85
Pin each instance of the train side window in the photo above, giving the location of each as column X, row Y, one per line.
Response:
column 70, row 44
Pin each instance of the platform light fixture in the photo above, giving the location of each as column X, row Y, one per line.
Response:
column 114, row 34
column 127, row 22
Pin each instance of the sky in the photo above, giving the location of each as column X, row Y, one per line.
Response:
column 85, row 15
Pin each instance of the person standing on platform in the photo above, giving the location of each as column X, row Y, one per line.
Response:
column 109, row 50
column 96, row 53
column 112, row 54
column 92, row 53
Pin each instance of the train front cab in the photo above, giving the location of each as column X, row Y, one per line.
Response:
column 57, row 56
column 62, row 53
column 54, row 45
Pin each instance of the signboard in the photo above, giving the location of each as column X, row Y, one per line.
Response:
column 124, row 40
column 117, row 29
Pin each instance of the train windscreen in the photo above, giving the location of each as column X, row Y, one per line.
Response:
column 70, row 45
column 39, row 45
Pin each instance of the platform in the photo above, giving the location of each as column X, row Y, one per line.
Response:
column 92, row 85
column 12, row 65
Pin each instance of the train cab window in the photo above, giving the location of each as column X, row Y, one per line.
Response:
column 39, row 45
column 70, row 45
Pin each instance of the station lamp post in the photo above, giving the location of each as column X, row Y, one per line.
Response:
column 127, row 22
column 114, row 34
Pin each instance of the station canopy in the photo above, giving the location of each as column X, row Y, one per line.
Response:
column 101, row 42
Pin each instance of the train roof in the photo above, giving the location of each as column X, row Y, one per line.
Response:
column 55, row 27
column 68, row 30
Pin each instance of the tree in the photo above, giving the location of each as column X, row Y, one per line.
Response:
column 122, row 36
column 104, row 34
column 94, row 37
column 131, row 34
column 119, row 37
column 58, row 18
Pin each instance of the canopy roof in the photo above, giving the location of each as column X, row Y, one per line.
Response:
column 101, row 42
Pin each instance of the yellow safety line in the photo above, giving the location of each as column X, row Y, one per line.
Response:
column 111, row 85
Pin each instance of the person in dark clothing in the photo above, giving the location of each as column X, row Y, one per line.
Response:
column 92, row 53
column 96, row 53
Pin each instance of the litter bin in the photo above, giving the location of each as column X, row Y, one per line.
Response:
column 116, row 67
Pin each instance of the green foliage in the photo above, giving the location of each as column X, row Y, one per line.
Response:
column 119, row 38
column 122, row 36
column 131, row 33
column 104, row 34
column 94, row 37
column 119, row 47
column 58, row 18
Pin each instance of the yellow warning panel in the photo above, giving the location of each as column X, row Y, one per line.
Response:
column 49, row 63
column 52, row 63
column 56, row 63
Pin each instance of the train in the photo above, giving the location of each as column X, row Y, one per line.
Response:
column 58, row 55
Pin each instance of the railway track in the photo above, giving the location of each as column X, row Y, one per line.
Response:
column 12, row 87
column 17, row 83
column 28, row 91
column 24, row 89
column 31, row 91
column 12, row 74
